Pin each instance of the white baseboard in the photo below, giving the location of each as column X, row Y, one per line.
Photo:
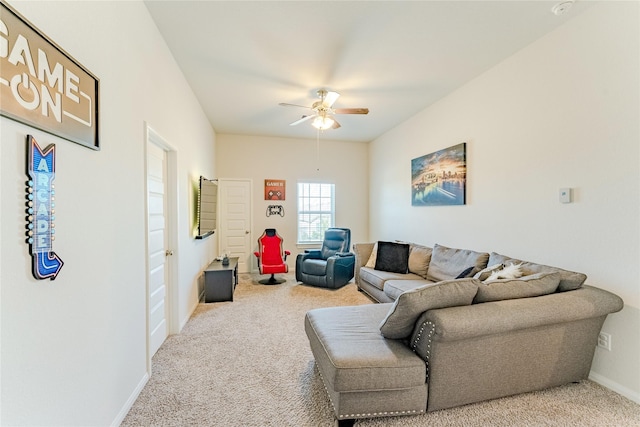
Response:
column 127, row 406
column 184, row 321
column 612, row 385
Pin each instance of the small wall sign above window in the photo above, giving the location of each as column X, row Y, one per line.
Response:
column 43, row 86
column 41, row 169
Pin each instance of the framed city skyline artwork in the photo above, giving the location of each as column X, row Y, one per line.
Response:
column 439, row 178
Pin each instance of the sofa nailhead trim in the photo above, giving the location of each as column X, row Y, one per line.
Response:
column 430, row 331
column 375, row 414
column 379, row 414
column 327, row 390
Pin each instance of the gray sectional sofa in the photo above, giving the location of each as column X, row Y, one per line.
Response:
column 455, row 327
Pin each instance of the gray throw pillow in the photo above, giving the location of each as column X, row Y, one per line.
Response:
column 402, row 316
column 534, row 285
column 392, row 257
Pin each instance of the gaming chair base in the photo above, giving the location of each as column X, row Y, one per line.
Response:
column 271, row 281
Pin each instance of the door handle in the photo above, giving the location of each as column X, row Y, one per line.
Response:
column 168, row 252
column 246, row 231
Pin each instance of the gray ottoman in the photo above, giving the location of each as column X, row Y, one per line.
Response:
column 365, row 374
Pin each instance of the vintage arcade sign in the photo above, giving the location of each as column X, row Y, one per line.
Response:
column 42, row 86
column 41, row 169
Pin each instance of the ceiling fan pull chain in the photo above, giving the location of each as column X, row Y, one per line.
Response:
column 318, row 150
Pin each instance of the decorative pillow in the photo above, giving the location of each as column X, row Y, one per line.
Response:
column 484, row 274
column 529, row 286
column 402, row 316
column 371, row 263
column 447, row 263
column 468, row 272
column 392, row 257
column 419, row 257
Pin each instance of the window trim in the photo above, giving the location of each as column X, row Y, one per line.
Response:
column 314, row 243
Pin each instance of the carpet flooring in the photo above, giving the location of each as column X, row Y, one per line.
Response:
column 248, row 363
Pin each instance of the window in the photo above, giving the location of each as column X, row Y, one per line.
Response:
column 316, row 210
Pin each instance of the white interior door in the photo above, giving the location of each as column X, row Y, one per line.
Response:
column 235, row 221
column 157, row 246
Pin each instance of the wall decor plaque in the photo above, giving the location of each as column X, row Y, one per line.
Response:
column 274, row 189
column 41, row 170
column 44, row 87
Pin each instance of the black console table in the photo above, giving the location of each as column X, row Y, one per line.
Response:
column 220, row 281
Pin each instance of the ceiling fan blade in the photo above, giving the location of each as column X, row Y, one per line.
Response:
column 336, row 125
column 303, row 119
column 284, row 104
column 351, row 111
column 330, row 98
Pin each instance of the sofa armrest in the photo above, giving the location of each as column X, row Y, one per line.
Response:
column 458, row 323
column 362, row 252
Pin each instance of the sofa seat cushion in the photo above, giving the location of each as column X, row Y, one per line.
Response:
column 377, row 278
column 315, row 267
column 404, row 313
column 569, row 280
column 447, row 263
column 352, row 355
column 393, row 288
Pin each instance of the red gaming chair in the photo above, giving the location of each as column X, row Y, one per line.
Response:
column 271, row 258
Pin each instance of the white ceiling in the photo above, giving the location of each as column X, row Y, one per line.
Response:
column 395, row 57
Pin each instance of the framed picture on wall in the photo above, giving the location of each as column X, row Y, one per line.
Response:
column 274, row 189
column 43, row 86
column 440, row 178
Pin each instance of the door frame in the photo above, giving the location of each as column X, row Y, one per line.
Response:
column 171, row 227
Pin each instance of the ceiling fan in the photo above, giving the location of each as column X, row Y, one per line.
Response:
column 322, row 111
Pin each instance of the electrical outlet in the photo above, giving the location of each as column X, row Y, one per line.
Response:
column 604, row 340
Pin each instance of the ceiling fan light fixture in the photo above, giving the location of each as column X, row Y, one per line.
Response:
column 322, row 122
column 562, row 7
column 322, row 111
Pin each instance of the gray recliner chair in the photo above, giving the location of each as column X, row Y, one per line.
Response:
column 330, row 267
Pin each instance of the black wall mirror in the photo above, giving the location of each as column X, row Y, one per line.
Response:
column 207, row 207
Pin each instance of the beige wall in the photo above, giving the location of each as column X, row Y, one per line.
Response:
column 562, row 112
column 73, row 350
column 258, row 158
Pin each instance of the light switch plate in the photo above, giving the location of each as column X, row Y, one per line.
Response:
column 565, row 195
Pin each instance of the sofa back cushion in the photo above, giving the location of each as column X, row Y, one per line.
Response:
column 534, row 285
column 404, row 312
column 419, row 259
column 569, row 280
column 447, row 263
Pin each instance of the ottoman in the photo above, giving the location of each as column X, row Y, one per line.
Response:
column 365, row 375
